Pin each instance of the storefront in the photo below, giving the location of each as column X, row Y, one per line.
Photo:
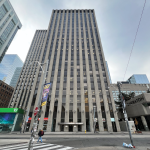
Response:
column 10, row 119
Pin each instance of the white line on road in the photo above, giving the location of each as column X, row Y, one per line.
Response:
column 52, row 147
column 17, row 146
column 66, row 148
column 39, row 146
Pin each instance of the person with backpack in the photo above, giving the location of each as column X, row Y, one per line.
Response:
column 40, row 134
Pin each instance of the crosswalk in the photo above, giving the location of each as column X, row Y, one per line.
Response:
column 37, row 146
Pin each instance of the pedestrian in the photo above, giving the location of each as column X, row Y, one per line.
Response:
column 40, row 134
column 31, row 130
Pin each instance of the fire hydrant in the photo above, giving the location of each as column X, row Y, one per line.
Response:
column 85, row 131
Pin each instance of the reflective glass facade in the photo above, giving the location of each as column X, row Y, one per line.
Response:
column 8, row 66
column 9, row 25
column 108, row 73
column 77, row 71
column 15, row 77
column 138, row 79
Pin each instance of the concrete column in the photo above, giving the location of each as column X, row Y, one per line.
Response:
column 88, row 77
column 144, row 123
column 66, row 129
column 59, row 109
column 101, row 128
column 75, row 120
column 107, row 112
column 83, row 113
column 51, row 109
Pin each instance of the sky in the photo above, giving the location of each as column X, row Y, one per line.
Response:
column 117, row 22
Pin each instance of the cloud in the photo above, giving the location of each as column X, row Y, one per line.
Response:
column 117, row 22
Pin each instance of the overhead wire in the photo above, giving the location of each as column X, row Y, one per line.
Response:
column 134, row 39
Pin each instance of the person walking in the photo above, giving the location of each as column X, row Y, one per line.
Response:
column 40, row 134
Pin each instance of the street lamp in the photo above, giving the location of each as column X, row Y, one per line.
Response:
column 33, row 134
column 125, row 113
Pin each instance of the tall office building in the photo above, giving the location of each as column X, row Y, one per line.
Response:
column 108, row 73
column 138, row 79
column 15, row 77
column 9, row 25
column 8, row 67
column 77, row 71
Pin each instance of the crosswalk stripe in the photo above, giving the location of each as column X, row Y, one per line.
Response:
column 13, row 146
column 18, row 146
column 46, row 145
column 66, row 148
column 48, row 148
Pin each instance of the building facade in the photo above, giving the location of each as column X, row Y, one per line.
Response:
column 77, row 71
column 138, row 108
column 9, row 25
column 6, row 92
column 8, row 66
column 15, row 77
column 138, row 89
column 138, row 79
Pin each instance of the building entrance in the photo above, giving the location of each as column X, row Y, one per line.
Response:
column 70, row 128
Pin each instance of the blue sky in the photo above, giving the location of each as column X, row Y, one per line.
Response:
column 117, row 22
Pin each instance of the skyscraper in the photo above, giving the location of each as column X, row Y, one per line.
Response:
column 9, row 25
column 108, row 73
column 15, row 77
column 77, row 71
column 8, row 67
column 138, row 79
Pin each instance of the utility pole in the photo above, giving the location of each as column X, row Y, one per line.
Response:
column 125, row 113
column 33, row 134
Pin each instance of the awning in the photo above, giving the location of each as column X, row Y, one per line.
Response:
column 70, row 123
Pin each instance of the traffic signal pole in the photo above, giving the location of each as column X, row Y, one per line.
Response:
column 125, row 113
column 33, row 134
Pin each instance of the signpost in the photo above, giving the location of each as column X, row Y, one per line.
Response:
column 35, row 111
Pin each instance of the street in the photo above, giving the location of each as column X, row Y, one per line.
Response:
column 65, row 142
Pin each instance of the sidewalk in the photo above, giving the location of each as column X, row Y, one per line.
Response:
column 83, row 133
column 114, row 148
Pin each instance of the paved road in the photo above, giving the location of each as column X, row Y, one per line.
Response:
column 85, row 141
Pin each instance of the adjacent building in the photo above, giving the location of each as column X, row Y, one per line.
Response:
column 138, row 110
column 108, row 73
column 8, row 66
column 138, row 89
column 15, row 77
column 138, row 79
column 77, row 71
column 9, row 25
column 6, row 92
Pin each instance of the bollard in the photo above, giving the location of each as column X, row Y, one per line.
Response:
column 85, row 131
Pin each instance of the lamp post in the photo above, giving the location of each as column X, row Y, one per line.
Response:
column 33, row 134
column 124, row 111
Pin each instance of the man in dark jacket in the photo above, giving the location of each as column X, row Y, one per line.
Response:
column 40, row 134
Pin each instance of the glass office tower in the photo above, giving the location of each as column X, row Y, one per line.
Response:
column 9, row 25
column 138, row 79
column 77, row 71
column 8, row 66
column 15, row 77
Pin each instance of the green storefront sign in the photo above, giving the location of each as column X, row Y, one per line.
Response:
column 11, row 119
column 11, row 110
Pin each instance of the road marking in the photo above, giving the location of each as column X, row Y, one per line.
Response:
column 66, row 148
column 18, row 146
column 45, row 145
column 52, row 147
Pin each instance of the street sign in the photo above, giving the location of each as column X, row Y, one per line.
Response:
column 35, row 111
